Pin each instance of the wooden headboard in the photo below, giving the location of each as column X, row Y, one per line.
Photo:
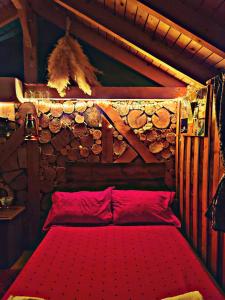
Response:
column 80, row 176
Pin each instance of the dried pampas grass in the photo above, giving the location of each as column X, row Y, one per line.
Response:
column 67, row 61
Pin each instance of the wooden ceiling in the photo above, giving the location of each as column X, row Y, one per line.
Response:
column 172, row 42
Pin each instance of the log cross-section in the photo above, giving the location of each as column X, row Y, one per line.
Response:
column 127, row 133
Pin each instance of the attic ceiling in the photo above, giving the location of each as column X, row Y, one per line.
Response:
column 172, row 42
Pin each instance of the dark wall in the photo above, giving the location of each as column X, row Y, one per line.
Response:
column 11, row 51
column 11, row 57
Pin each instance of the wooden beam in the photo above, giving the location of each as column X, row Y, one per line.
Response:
column 19, row 5
column 128, row 134
column 112, row 92
column 135, row 35
column 107, row 141
column 9, row 15
column 108, row 47
column 29, row 28
column 33, row 193
column 191, row 22
column 11, row 145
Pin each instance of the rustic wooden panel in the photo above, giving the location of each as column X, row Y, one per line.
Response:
column 195, row 191
column 33, row 182
column 107, row 141
column 198, row 174
column 215, row 160
column 145, row 176
column 188, row 185
column 181, row 178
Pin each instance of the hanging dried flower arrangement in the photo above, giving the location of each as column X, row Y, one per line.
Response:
column 68, row 61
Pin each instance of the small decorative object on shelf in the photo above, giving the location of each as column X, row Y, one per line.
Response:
column 6, row 202
column 4, row 127
column 30, row 128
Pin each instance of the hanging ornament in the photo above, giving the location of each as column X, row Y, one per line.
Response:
column 68, row 61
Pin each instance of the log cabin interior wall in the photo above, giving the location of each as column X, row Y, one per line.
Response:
column 198, row 175
column 84, row 131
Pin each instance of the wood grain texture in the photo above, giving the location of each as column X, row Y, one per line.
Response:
column 113, row 92
column 97, row 175
column 33, row 187
column 127, row 133
column 198, row 176
column 107, row 141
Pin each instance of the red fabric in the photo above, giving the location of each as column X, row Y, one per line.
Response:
column 80, row 208
column 146, row 207
column 113, row 263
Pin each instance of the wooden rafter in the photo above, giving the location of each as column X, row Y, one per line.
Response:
column 9, row 15
column 187, row 20
column 137, row 37
column 106, row 46
column 21, row 10
column 28, row 24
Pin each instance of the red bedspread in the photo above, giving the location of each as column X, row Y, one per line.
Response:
column 113, row 262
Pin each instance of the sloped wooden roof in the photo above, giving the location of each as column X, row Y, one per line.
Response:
column 173, row 42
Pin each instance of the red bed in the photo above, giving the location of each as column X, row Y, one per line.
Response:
column 113, row 262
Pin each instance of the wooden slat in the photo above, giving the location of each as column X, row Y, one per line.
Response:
column 195, row 191
column 204, row 196
column 128, row 156
column 151, row 24
column 11, row 145
column 192, row 47
column 33, row 203
column 136, row 36
column 162, row 30
column 120, row 7
column 190, row 22
column 177, row 156
column 172, row 36
column 188, row 185
column 182, row 41
column 107, row 141
column 214, row 59
column 131, row 8
column 181, row 177
column 215, row 180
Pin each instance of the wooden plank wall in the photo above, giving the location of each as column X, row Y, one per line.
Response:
column 199, row 171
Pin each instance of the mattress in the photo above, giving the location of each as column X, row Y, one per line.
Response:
column 113, row 263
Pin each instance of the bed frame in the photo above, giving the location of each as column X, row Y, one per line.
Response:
column 138, row 175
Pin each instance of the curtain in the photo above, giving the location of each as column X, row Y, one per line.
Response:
column 216, row 211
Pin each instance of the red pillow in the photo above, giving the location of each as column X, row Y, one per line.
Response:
column 144, row 207
column 80, row 208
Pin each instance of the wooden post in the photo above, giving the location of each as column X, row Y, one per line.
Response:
column 29, row 28
column 33, row 203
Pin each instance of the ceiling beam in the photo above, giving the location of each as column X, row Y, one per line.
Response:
column 192, row 21
column 9, row 15
column 21, row 10
column 136, row 36
column 28, row 24
column 106, row 46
